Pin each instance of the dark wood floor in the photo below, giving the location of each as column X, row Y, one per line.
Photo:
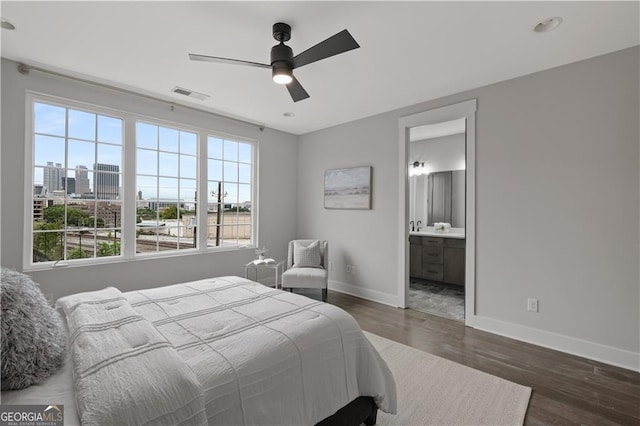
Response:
column 566, row 389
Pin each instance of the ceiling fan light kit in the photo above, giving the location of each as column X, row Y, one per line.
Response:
column 282, row 75
column 283, row 62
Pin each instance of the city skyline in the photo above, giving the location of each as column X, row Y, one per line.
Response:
column 166, row 158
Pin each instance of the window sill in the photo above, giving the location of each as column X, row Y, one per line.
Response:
column 121, row 259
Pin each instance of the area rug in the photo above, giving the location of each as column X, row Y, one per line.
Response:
column 436, row 391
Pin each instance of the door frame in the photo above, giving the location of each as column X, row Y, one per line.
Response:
column 466, row 110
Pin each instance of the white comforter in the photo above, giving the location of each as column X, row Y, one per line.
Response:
column 263, row 356
column 116, row 356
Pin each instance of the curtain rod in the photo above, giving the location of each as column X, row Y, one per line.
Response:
column 24, row 69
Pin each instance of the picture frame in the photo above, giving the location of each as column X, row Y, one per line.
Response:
column 348, row 188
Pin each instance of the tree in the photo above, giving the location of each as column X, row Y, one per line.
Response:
column 98, row 221
column 170, row 212
column 47, row 245
column 237, row 209
column 55, row 214
column 108, row 249
column 145, row 213
column 76, row 253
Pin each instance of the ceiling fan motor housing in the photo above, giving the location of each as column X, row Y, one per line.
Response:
column 281, row 57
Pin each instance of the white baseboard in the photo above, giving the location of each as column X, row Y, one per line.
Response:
column 571, row 345
column 364, row 293
column 583, row 348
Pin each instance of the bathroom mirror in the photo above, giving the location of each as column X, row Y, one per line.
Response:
column 437, row 174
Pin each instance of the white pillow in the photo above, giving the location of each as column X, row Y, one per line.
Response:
column 306, row 256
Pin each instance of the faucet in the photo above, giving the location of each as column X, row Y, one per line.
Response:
column 418, row 225
column 412, row 228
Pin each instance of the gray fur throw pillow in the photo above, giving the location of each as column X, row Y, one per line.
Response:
column 33, row 337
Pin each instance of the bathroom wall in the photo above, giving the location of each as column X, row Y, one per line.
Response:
column 439, row 154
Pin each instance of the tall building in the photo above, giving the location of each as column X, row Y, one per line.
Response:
column 69, row 184
column 82, row 180
column 106, row 181
column 39, row 204
column 52, row 177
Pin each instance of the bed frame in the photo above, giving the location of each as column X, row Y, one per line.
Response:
column 361, row 410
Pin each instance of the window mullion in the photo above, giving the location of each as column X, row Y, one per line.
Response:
column 129, row 188
column 63, row 255
column 202, row 185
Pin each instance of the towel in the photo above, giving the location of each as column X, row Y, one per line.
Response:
column 442, row 226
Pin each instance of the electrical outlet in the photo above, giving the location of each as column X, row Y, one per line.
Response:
column 532, row 305
column 348, row 269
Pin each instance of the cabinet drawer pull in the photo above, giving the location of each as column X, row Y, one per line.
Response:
column 432, row 272
column 432, row 255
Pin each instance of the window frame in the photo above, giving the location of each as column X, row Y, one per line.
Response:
column 254, row 173
column 129, row 179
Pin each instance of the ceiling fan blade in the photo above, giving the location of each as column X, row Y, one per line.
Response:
column 206, row 58
column 334, row 45
column 296, row 90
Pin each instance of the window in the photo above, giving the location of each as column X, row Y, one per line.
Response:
column 77, row 171
column 166, row 181
column 91, row 205
column 230, row 174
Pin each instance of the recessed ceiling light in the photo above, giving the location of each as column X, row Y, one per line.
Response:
column 288, row 114
column 548, row 25
column 7, row 25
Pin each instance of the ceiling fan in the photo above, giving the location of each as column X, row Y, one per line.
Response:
column 283, row 62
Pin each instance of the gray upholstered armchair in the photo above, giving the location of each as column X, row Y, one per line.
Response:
column 307, row 265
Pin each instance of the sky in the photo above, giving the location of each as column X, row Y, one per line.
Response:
column 166, row 162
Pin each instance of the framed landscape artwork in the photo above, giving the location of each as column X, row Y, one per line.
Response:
column 348, row 188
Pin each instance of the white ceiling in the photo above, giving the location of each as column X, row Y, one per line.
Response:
column 410, row 52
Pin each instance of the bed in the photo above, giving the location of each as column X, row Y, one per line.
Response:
column 224, row 350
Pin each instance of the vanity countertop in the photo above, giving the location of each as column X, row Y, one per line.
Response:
column 430, row 231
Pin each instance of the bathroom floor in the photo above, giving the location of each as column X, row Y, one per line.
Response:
column 436, row 298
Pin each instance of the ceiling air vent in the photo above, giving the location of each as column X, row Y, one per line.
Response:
column 189, row 93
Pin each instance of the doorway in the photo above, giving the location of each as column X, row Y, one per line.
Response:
column 461, row 112
column 437, row 176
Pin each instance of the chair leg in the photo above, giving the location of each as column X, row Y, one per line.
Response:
column 324, row 294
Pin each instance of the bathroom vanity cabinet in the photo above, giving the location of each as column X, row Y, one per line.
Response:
column 437, row 259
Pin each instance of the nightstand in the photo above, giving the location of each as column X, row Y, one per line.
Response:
column 275, row 267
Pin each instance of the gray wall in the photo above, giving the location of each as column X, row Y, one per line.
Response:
column 277, row 172
column 557, row 201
